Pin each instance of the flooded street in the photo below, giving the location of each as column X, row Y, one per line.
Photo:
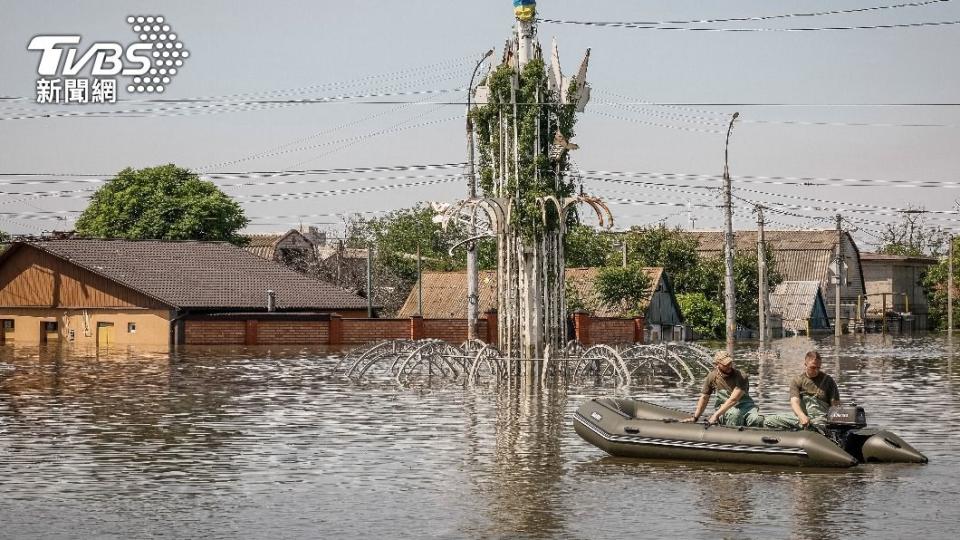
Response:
column 270, row 442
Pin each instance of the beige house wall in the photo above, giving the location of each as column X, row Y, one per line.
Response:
column 79, row 326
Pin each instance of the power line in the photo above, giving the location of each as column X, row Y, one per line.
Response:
column 199, row 108
column 633, row 26
column 411, row 73
column 786, row 15
column 320, row 133
column 397, row 127
column 103, row 177
column 655, row 124
column 858, row 207
column 802, row 181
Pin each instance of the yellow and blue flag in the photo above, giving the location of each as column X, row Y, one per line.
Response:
column 524, row 10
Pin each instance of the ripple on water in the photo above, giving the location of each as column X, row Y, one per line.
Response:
column 257, row 442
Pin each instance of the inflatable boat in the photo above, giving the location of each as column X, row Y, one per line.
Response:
column 635, row 428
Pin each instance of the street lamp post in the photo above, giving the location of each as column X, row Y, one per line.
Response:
column 729, row 293
column 472, row 246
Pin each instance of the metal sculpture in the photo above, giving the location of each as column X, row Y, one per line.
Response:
column 523, row 115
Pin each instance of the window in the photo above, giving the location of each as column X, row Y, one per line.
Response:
column 131, row 328
column 50, row 327
column 8, row 324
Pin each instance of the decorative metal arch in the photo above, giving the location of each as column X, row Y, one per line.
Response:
column 604, row 215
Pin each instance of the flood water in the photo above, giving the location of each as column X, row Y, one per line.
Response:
column 271, row 443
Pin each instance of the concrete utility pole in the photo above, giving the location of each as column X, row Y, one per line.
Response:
column 729, row 293
column 762, row 302
column 472, row 193
column 838, row 330
column 369, row 282
column 623, row 252
column 950, row 288
column 419, row 284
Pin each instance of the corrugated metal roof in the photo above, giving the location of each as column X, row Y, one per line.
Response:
column 200, row 274
column 795, row 301
column 445, row 293
column 799, row 255
column 810, row 265
column 883, row 257
column 815, row 239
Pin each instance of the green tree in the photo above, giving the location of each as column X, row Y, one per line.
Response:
column 163, row 203
column 623, row 288
column 586, row 247
column 395, row 238
column 705, row 316
column 690, row 273
column 746, row 281
column 934, row 283
column 669, row 248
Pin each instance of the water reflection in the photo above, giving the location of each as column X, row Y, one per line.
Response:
column 262, row 442
column 528, row 466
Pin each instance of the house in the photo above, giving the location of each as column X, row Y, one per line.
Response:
column 801, row 255
column 292, row 249
column 103, row 292
column 893, row 283
column 311, row 252
column 444, row 297
column 800, row 307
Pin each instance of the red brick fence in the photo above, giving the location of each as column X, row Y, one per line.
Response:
column 334, row 330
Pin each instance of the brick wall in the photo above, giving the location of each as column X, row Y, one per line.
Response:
column 357, row 331
column 215, row 332
column 293, row 332
column 338, row 331
column 452, row 330
column 611, row 330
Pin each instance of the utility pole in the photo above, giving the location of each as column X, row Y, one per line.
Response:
column 623, row 251
column 838, row 330
column 472, row 194
column 729, row 293
column 369, row 282
column 419, row 284
column 762, row 301
column 950, row 288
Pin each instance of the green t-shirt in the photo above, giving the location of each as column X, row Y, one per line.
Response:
column 821, row 387
column 718, row 381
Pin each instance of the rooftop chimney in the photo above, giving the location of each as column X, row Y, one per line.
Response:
column 271, row 300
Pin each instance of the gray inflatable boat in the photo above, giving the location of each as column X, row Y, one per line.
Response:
column 635, row 428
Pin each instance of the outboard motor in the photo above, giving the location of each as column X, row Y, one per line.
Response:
column 846, row 417
column 846, row 425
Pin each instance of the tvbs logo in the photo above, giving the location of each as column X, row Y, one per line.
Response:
column 149, row 63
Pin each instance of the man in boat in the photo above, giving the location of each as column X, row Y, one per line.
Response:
column 812, row 392
column 734, row 405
